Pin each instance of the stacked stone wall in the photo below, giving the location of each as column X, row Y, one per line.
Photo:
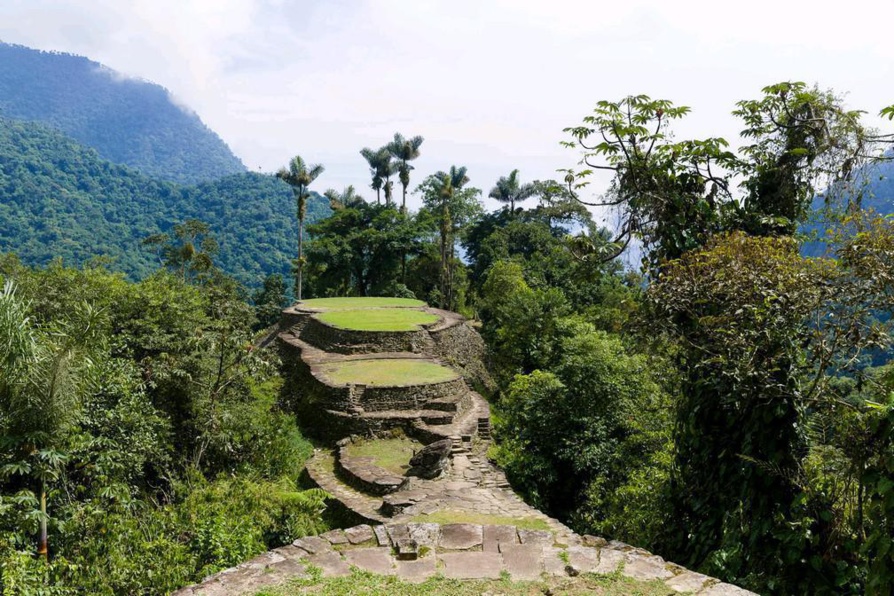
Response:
column 409, row 398
column 463, row 348
column 351, row 341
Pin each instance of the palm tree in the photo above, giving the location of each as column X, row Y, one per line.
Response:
column 404, row 150
column 373, row 158
column 508, row 190
column 382, row 168
column 446, row 186
column 299, row 176
column 345, row 199
column 42, row 376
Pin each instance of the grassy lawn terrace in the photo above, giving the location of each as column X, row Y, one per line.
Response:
column 378, row 319
column 389, row 454
column 387, row 372
column 352, row 303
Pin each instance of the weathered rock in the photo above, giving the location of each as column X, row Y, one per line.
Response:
column 609, row 560
column 646, row 568
column 335, row 537
column 407, row 549
column 432, row 460
column 725, row 590
column 417, row 571
column 583, row 559
column 688, row 581
column 460, row 536
column 471, row 565
column 381, row 535
column 523, row 561
column 377, row 560
column 493, row 537
column 330, row 564
column 359, row 534
column 313, row 544
column 541, row 537
column 395, row 504
column 424, row 534
column 597, row 541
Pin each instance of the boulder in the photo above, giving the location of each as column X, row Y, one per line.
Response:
column 432, row 460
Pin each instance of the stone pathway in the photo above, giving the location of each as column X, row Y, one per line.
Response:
column 470, row 487
column 416, row 551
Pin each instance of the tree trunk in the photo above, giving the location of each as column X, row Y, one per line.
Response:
column 42, row 550
column 300, row 267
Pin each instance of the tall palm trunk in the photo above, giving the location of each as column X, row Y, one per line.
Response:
column 302, row 210
column 42, row 550
column 445, row 260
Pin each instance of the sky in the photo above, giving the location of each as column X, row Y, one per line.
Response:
column 489, row 84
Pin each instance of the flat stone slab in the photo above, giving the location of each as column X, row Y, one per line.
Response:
column 331, row 564
column 381, row 533
column 524, row 554
column 609, row 560
column 688, row 581
column 541, row 537
column 471, row 565
column 360, row 534
column 583, row 559
column 494, row 536
column 377, row 560
column 523, row 561
column 417, row 571
column 553, row 560
column 425, row 534
column 313, row 545
column 460, row 536
column 335, row 537
column 725, row 590
column 646, row 568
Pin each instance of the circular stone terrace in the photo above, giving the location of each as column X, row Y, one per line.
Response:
column 370, row 314
column 386, row 372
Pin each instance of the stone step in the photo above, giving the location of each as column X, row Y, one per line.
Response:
column 437, row 418
column 445, row 404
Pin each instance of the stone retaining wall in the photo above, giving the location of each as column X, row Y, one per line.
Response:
column 416, row 551
column 463, row 348
column 363, row 474
column 351, row 341
column 411, row 397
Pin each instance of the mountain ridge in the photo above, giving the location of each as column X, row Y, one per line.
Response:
column 127, row 120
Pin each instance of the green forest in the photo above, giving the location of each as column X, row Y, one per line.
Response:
column 728, row 405
column 126, row 120
column 61, row 200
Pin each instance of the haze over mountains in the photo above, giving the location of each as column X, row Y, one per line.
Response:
column 128, row 121
column 91, row 163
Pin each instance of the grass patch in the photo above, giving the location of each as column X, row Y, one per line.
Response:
column 361, row 583
column 389, row 454
column 448, row 516
column 386, row 372
column 338, row 303
column 378, row 319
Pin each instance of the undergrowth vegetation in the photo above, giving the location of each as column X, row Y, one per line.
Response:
column 139, row 427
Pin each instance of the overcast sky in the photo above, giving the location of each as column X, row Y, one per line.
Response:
column 489, row 83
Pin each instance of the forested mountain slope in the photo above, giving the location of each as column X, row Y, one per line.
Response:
column 876, row 188
column 128, row 121
column 58, row 198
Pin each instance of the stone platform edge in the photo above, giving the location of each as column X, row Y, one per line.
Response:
column 414, row 552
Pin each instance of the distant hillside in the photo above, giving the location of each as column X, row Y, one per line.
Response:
column 127, row 121
column 59, row 198
column 877, row 195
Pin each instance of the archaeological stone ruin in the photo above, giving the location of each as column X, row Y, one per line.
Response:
column 403, row 434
